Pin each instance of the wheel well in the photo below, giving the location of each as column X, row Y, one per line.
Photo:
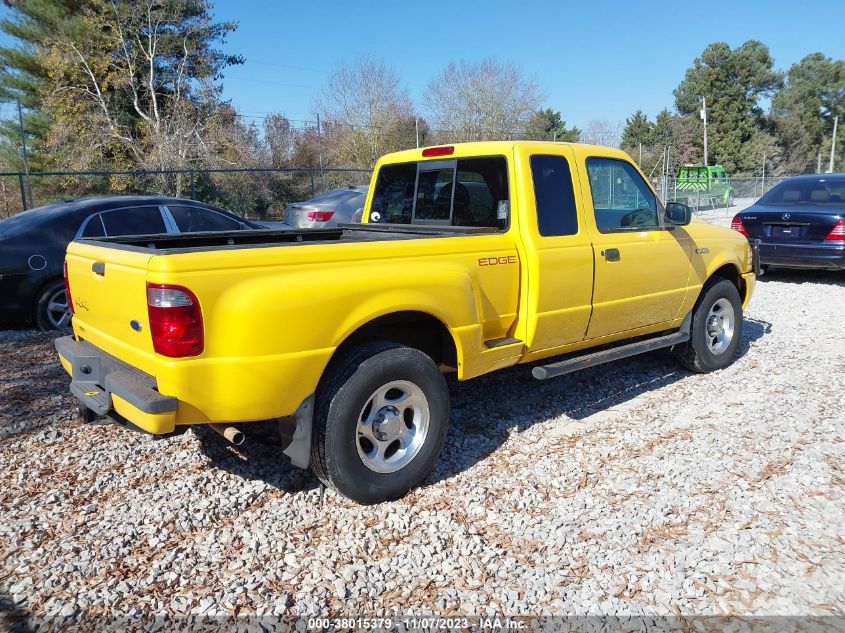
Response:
column 414, row 329
column 730, row 272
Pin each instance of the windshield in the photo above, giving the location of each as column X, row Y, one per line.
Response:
column 692, row 173
column 815, row 191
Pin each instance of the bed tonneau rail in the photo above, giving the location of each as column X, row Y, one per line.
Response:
column 211, row 240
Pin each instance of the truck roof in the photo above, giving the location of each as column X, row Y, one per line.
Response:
column 487, row 148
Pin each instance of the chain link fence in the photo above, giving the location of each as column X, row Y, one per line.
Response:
column 256, row 193
column 263, row 193
column 731, row 197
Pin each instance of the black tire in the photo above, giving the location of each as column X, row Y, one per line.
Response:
column 697, row 354
column 43, row 319
column 343, row 394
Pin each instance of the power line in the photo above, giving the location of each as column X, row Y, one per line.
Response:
column 270, row 83
column 277, row 65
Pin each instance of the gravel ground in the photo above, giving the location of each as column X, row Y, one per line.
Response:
column 632, row 488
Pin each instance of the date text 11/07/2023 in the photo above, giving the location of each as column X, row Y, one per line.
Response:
column 406, row 623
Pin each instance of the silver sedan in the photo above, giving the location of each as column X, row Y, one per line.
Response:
column 334, row 207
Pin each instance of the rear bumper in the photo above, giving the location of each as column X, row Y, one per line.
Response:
column 106, row 385
column 803, row 256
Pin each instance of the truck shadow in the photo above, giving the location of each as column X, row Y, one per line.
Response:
column 488, row 409
column 259, row 457
column 485, row 411
column 14, row 618
column 34, row 391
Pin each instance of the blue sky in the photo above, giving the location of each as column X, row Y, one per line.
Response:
column 594, row 60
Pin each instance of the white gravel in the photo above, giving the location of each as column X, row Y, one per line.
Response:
column 632, row 488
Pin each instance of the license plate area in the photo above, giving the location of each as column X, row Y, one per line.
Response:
column 785, row 231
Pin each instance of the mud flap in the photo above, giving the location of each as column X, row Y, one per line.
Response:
column 295, row 432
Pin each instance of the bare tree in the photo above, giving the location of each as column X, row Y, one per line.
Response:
column 133, row 84
column 481, row 100
column 280, row 138
column 601, row 132
column 362, row 105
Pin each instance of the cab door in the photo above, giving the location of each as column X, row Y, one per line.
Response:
column 642, row 266
column 559, row 257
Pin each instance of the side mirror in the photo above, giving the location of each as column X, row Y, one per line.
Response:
column 678, row 213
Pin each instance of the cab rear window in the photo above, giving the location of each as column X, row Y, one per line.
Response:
column 463, row 192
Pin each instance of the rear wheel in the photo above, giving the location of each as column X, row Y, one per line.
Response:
column 52, row 311
column 716, row 328
column 380, row 422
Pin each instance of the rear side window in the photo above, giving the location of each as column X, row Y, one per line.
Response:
column 134, row 221
column 554, row 196
column 94, row 228
column 192, row 219
column 464, row 192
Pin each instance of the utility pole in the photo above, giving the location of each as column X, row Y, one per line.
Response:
column 320, row 151
column 26, row 160
column 704, row 118
column 417, row 129
column 763, row 181
column 640, row 162
column 819, row 164
column 833, row 143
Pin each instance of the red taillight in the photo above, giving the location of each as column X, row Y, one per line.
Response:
column 319, row 216
column 737, row 225
column 837, row 232
column 67, row 289
column 445, row 150
column 175, row 321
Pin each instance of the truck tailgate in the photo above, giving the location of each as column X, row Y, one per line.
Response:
column 109, row 294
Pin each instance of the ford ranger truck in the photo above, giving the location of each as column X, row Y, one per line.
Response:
column 470, row 258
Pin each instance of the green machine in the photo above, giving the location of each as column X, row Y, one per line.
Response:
column 705, row 181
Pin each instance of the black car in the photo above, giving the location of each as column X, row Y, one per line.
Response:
column 800, row 223
column 33, row 244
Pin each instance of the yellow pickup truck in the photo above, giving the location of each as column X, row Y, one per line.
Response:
column 470, row 258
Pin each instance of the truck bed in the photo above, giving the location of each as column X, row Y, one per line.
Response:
column 220, row 240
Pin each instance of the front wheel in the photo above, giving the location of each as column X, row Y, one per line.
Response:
column 380, row 422
column 716, row 328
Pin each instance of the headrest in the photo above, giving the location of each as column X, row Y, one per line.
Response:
column 791, row 195
column 819, row 195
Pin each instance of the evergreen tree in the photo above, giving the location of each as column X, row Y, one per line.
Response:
column 638, row 131
column 804, row 110
column 547, row 125
column 122, row 83
column 732, row 81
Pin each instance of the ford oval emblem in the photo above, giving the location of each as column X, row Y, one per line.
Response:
column 135, row 325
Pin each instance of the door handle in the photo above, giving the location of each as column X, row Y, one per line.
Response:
column 611, row 254
column 99, row 268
